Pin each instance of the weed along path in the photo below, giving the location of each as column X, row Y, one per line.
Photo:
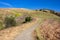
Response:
column 27, row 34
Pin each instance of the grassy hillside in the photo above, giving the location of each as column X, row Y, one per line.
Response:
column 21, row 12
column 49, row 26
column 13, row 16
column 49, row 22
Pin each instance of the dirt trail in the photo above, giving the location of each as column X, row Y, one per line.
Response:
column 12, row 32
column 27, row 34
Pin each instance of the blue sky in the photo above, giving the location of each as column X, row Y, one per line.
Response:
column 31, row 4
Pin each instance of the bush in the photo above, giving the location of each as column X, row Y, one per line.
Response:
column 28, row 19
column 9, row 21
column 1, row 25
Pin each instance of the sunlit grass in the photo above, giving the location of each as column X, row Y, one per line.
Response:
column 16, row 14
column 40, row 37
column 42, row 16
column 13, row 13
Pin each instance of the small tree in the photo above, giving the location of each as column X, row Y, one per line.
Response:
column 9, row 21
column 27, row 19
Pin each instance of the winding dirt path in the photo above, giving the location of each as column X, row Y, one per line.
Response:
column 27, row 34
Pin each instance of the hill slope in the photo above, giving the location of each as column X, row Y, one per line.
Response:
column 48, row 21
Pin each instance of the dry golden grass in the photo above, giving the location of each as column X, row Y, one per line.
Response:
column 48, row 30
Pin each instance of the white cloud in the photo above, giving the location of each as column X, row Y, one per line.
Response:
column 7, row 4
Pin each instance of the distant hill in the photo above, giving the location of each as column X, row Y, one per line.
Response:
column 49, row 10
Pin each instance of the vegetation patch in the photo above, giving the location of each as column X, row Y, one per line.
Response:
column 10, row 21
column 13, row 19
column 1, row 25
column 27, row 19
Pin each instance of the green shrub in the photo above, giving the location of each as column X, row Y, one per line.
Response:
column 1, row 25
column 28, row 19
column 9, row 21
